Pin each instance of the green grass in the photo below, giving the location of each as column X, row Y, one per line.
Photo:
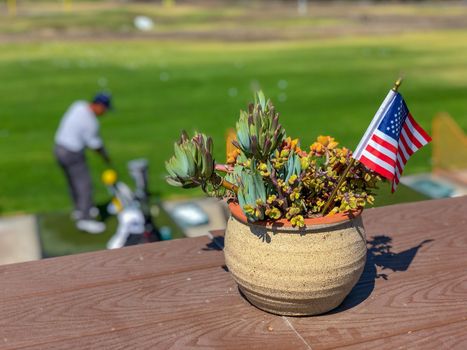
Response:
column 114, row 20
column 334, row 86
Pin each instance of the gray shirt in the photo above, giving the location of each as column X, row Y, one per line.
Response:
column 79, row 128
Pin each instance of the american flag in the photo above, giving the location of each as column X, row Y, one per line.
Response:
column 392, row 137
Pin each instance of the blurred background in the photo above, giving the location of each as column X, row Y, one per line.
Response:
column 173, row 65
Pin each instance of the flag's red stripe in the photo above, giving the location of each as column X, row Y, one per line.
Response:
column 384, row 143
column 408, row 149
column 399, row 167
column 379, row 169
column 411, row 136
column 395, row 181
column 380, row 155
column 400, row 164
column 402, row 156
column 393, row 187
column 419, row 129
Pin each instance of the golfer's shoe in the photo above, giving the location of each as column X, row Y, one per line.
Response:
column 77, row 214
column 90, row 226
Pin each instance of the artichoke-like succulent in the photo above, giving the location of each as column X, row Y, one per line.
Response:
column 192, row 164
column 292, row 167
column 251, row 193
column 258, row 130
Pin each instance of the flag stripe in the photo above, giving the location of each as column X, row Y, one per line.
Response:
column 377, row 165
column 411, row 141
column 402, row 155
column 397, row 177
column 378, row 161
column 381, row 155
column 384, row 143
column 383, row 150
column 419, row 133
column 388, row 140
column 404, row 147
column 395, row 181
column 400, row 165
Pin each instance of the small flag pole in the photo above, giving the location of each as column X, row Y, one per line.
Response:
column 352, row 162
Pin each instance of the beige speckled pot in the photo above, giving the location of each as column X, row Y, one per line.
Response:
column 295, row 272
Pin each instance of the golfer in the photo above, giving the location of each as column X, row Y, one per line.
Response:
column 78, row 130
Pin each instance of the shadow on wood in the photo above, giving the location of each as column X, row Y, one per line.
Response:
column 217, row 243
column 379, row 255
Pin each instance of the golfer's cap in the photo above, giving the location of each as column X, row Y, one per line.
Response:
column 104, row 98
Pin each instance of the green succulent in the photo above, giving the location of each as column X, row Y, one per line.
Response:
column 258, row 130
column 192, row 164
column 251, row 192
column 293, row 167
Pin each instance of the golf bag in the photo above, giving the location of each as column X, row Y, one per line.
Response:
column 135, row 224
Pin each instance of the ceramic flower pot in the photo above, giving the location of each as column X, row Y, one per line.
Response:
column 295, row 272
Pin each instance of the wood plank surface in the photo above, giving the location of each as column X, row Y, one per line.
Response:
column 448, row 336
column 204, row 301
column 180, row 305
column 249, row 331
column 396, row 306
column 177, row 295
column 98, row 268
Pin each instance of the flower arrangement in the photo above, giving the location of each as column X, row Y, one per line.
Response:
column 269, row 174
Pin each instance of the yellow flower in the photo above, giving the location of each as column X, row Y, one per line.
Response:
column 304, row 163
column 324, row 140
column 273, row 213
column 292, row 211
column 271, row 199
column 298, row 221
column 294, row 196
column 232, row 156
column 249, row 209
column 292, row 179
column 327, row 141
column 293, row 144
column 317, row 148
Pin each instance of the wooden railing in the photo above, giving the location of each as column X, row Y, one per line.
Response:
column 178, row 294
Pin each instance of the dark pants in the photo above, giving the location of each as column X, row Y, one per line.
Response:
column 79, row 180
